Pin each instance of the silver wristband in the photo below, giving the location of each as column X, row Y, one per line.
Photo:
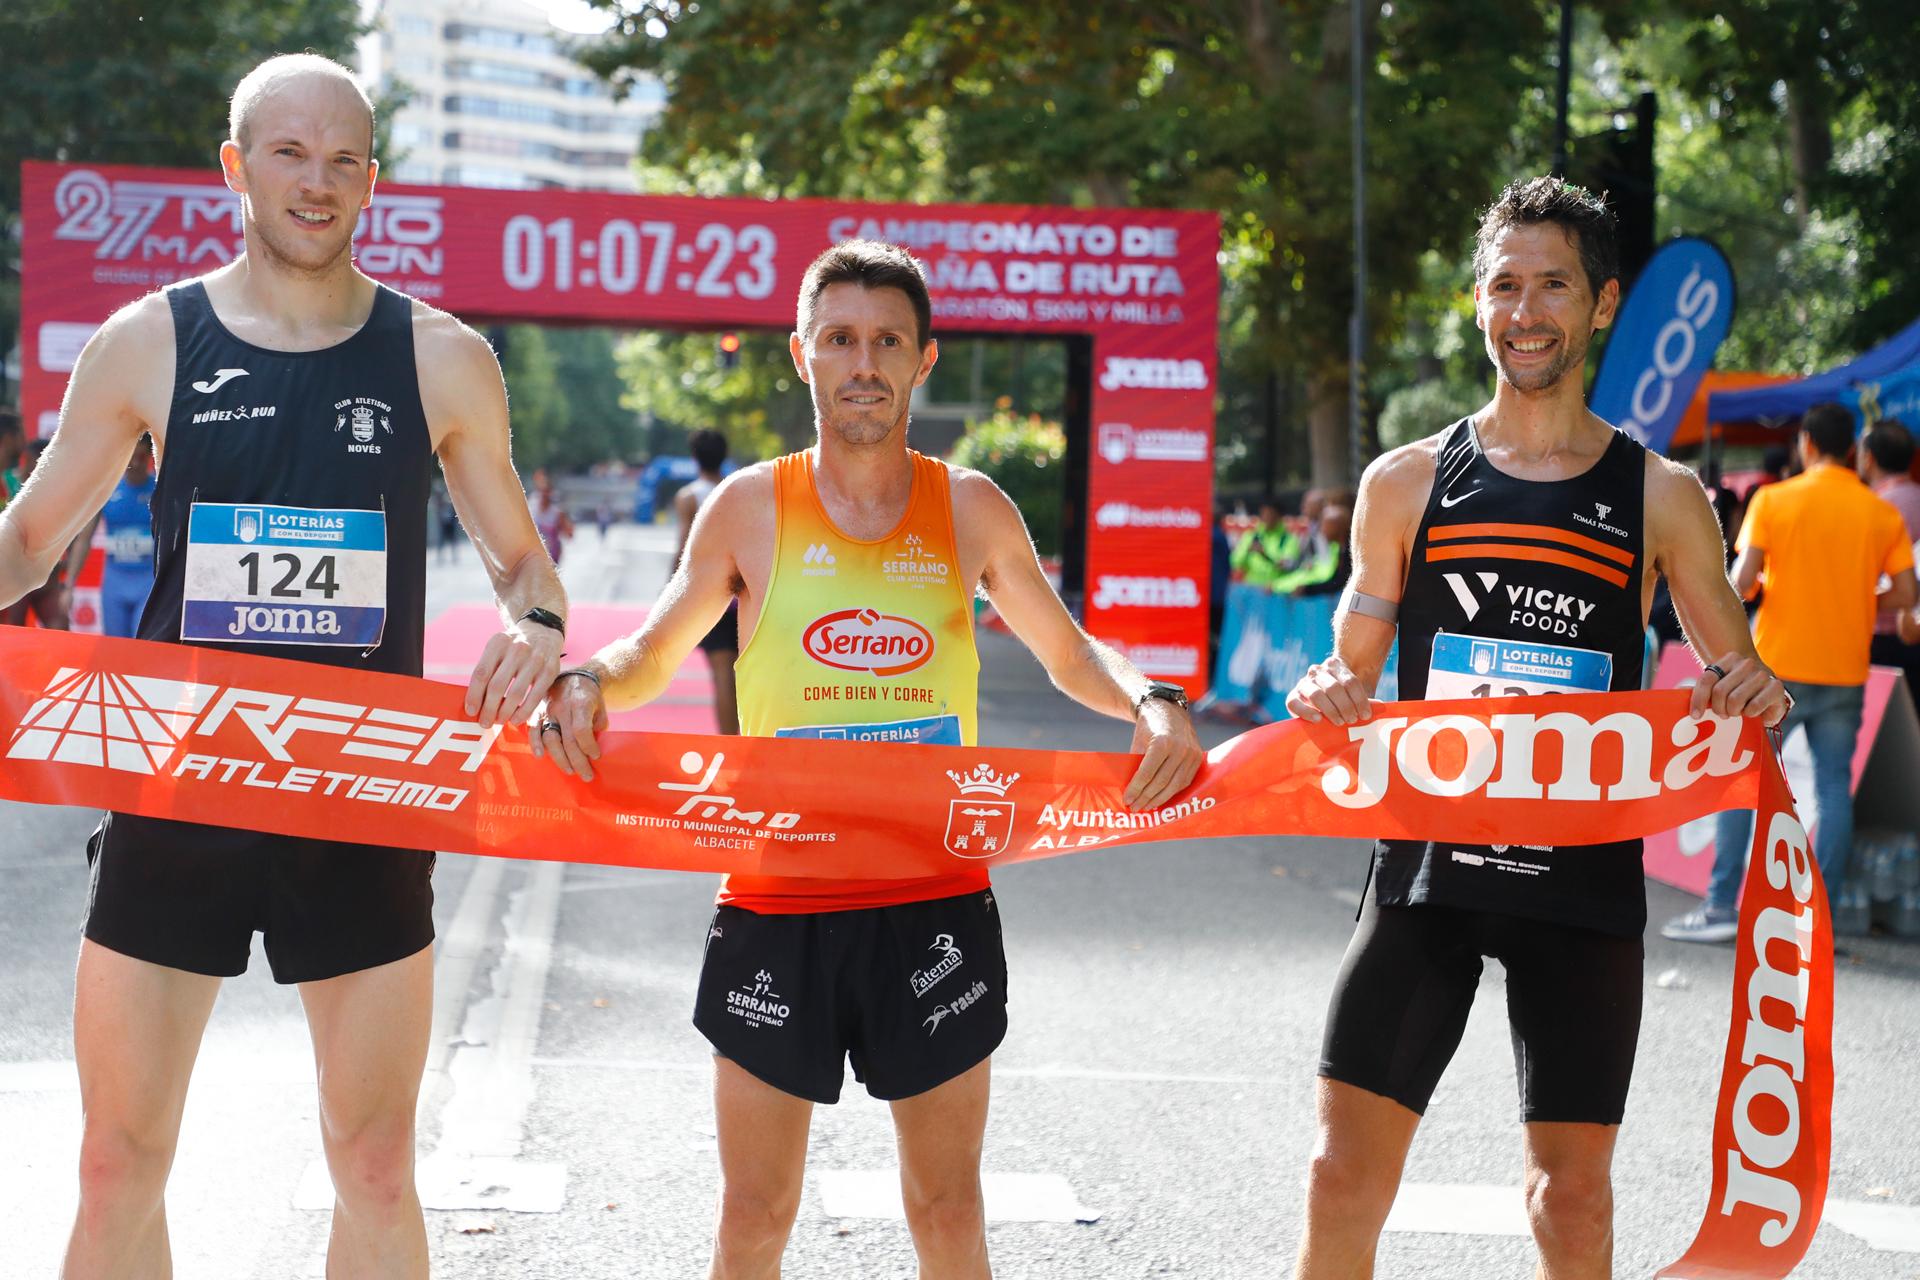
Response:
column 1371, row 606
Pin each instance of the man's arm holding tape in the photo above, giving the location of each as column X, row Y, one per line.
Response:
column 1393, row 490
column 1091, row 673
column 635, row 669
column 1683, row 543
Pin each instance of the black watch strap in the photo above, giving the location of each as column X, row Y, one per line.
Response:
column 1163, row 690
column 546, row 618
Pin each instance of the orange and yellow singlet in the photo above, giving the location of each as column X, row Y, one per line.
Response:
column 863, row 640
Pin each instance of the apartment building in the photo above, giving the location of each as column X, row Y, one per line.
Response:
column 497, row 102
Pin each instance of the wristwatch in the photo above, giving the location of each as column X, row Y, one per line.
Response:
column 1163, row 690
column 545, row 618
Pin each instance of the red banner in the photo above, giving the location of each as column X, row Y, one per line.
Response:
column 204, row 736
column 1144, row 283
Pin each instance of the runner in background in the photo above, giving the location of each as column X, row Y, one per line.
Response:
column 1823, row 542
column 128, row 521
column 296, row 408
column 1517, row 551
column 855, row 566
column 1885, row 462
column 722, row 643
column 550, row 516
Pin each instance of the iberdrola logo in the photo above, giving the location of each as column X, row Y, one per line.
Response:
column 881, row 644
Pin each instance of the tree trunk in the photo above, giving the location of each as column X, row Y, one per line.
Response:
column 1327, row 428
column 1810, row 139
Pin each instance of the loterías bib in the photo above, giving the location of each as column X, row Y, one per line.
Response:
column 860, row 640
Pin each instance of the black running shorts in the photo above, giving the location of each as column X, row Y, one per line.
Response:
column 724, row 637
column 191, row 897
column 914, row 994
column 1401, row 1001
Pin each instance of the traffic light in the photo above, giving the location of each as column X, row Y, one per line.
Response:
column 729, row 350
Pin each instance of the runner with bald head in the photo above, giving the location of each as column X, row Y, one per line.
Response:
column 285, row 392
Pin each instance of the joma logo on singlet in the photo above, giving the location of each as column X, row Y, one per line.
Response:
column 865, row 640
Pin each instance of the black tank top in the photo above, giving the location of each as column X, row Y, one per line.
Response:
column 290, row 516
column 1524, row 586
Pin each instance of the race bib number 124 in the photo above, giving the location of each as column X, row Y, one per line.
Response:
column 284, row 575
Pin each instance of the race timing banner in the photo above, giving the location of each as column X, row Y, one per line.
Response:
column 195, row 734
column 1142, row 284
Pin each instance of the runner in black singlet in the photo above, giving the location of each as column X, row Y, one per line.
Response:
column 1518, row 550
column 296, row 408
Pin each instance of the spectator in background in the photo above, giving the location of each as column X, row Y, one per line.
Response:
column 128, row 521
column 550, row 515
column 722, row 643
column 1220, row 553
column 1313, row 505
column 49, row 603
column 1822, row 540
column 1266, row 551
column 1327, row 571
column 1886, row 461
column 12, row 440
column 603, row 517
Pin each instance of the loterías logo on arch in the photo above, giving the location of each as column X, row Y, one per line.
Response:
column 881, row 644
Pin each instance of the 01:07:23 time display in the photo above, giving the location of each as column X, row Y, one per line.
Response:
column 719, row 262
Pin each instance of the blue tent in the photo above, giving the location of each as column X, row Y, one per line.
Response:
column 1894, row 363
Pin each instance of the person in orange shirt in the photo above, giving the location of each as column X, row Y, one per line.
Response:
column 855, row 564
column 1822, row 540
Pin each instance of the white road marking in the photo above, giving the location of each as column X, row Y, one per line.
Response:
column 1888, row 1228
column 1459, row 1209
column 216, row 1066
column 1010, row 1197
column 483, row 1076
column 1050, row 1072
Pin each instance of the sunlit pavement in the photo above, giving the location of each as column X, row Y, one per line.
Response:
column 1158, row 1079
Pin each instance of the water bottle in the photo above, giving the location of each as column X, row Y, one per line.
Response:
column 1906, row 863
column 1906, row 919
column 1852, row 913
column 1882, row 888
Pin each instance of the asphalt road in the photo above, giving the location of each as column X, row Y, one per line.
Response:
column 1166, row 1013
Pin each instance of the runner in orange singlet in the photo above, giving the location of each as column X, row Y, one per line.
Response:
column 855, row 566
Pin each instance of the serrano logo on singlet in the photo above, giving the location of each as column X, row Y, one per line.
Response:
column 139, row 724
column 866, row 640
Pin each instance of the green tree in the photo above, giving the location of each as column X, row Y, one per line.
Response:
column 760, row 404
column 1816, row 100
column 536, row 402
column 564, row 394
column 1237, row 106
column 598, row 426
column 132, row 82
column 1022, row 455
